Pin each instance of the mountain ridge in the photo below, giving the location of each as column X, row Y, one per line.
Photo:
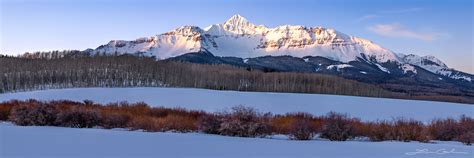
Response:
column 237, row 37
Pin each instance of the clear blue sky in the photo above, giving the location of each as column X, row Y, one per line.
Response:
column 424, row 27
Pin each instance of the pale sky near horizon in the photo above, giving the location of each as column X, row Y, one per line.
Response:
column 424, row 27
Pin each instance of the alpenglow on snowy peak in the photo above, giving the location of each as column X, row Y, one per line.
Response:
column 237, row 37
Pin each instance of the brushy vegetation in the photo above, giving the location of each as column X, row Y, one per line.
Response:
column 338, row 127
column 240, row 121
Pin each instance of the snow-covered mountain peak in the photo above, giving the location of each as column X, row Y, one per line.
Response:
column 240, row 38
column 237, row 24
column 237, row 37
column 236, row 20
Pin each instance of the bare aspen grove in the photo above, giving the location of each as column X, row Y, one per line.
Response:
column 62, row 71
column 73, row 69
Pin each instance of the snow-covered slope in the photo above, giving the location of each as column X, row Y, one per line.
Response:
column 177, row 42
column 278, row 103
column 57, row 142
column 434, row 65
column 237, row 37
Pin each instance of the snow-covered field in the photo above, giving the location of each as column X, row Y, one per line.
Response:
column 212, row 100
column 51, row 142
column 58, row 142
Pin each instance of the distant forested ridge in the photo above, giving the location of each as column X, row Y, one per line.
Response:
column 71, row 69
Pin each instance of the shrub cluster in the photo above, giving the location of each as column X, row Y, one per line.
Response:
column 79, row 117
column 240, row 121
column 450, row 129
column 88, row 115
column 6, row 108
column 34, row 113
column 302, row 129
column 299, row 126
column 338, row 127
column 398, row 129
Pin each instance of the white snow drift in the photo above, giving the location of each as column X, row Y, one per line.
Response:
column 57, row 142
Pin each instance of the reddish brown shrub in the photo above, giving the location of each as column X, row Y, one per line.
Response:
column 144, row 123
column 409, row 130
column 114, row 120
column 445, row 130
column 245, row 122
column 141, row 116
column 337, row 127
column 79, row 117
column 6, row 107
column 285, row 124
column 361, row 129
column 5, row 111
column 241, row 121
column 302, row 129
column 282, row 124
column 466, row 127
column 33, row 113
column 466, row 138
column 210, row 123
column 380, row 131
column 466, row 124
column 177, row 123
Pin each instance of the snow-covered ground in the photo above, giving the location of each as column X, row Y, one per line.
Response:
column 212, row 100
column 57, row 142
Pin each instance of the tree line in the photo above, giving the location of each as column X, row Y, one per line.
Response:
column 73, row 69
column 62, row 70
